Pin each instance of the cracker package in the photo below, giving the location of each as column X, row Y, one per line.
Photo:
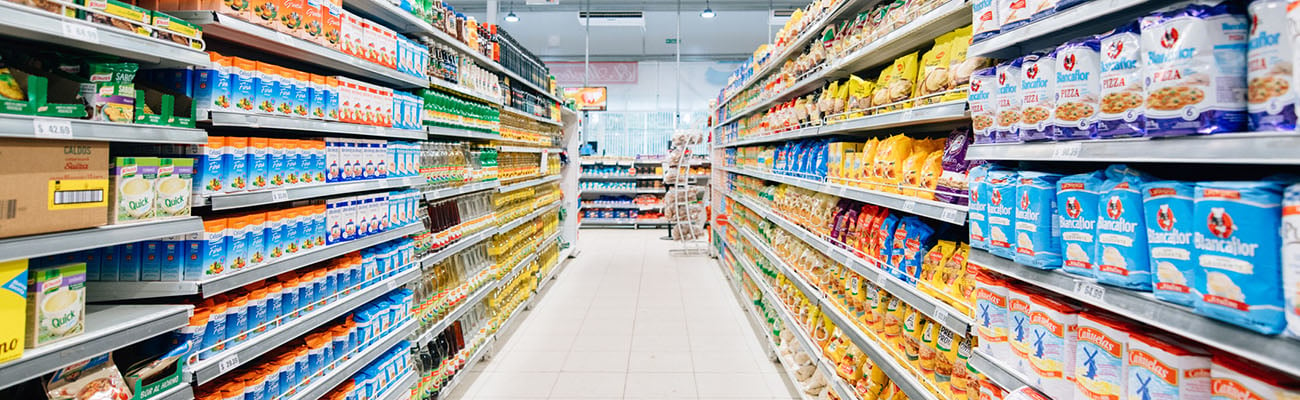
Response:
column 96, row 378
column 932, row 75
column 881, row 96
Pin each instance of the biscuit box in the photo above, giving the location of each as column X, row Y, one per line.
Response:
column 52, row 186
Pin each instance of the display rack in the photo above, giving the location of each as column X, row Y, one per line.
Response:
column 92, row 238
column 24, row 22
column 946, row 212
column 34, row 127
column 630, row 164
column 261, row 123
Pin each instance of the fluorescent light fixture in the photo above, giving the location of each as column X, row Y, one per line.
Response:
column 511, row 17
column 708, row 12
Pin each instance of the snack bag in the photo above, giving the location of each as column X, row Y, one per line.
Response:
column 1078, row 87
column 983, row 104
column 960, row 65
column 951, row 184
column 1200, row 93
column 1123, row 112
column 1037, row 97
column 1007, row 127
column 931, row 170
column 900, row 86
column 1270, row 100
column 911, row 174
column 859, row 96
column 881, row 96
column 932, row 75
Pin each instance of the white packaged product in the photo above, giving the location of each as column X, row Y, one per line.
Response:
column 1055, row 328
column 1019, row 335
column 1194, row 65
column 1078, row 89
column 1037, row 96
column 1099, row 370
column 1122, row 105
column 1007, row 127
column 984, row 19
column 1076, row 197
column 991, row 316
column 1161, row 367
column 1013, row 13
column 1269, row 72
column 983, row 104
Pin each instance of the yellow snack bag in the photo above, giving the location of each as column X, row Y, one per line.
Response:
column 959, row 284
column 932, row 74
column 960, row 67
column 895, row 313
column 913, row 326
column 932, row 266
column 859, row 96
column 931, row 169
column 842, row 100
column 834, row 161
column 866, row 158
column 946, row 361
column 892, row 163
column 912, row 173
column 900, row 86
column 826, row 102
column 883, row 298
column 928, row 353
column 880, row 96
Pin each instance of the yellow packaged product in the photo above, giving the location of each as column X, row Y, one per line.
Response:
column 931, row 169
column 900, row 85
column 912, row 173
column 866, row 158
column 960, row 67
column 13, row 308
column 834, row 161
column 913, row 326
column 880, row 96
column 895, row 314
column 892, row 163
column 882, row 307
column 826, row 102
column 859, row 96
column 932, row 266
column 849, row 368
column 928, row 351
column 959, row 283
column 841, row 100
column 946, row 362
column 932, row 74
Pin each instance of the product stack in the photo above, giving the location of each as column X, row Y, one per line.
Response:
column 630, row 191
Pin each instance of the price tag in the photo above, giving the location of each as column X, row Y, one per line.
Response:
column 940, row 316
column 412, row 181
column 1067, row 150
column 82, row 32
column 52, row 128
column 949, row 215
column 228, row 364
column 283, row 38
column 392, row 284
column 909, row 205
column 881, row 276
column 908, row 115
column 1089, row 290
column 279, row 195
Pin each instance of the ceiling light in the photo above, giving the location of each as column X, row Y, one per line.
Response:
column 708, row 12
column 511, row 17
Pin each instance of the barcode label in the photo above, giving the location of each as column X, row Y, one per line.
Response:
column 9, row 209
column 78, row 196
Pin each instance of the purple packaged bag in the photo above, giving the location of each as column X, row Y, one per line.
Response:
column 1006, row 128
column 1123, row 112
column 952, row 185
column 1078, row 87
column 1194, row 69
column 1037, row 96
column 983, row 105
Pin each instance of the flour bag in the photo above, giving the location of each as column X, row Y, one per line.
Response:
column 1122, row 256
column 1239, row 275
column 1076, row 199
column 1038, row 235
column 1167, row 208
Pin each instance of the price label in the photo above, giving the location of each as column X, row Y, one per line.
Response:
column 881, row 276
column 908, row 115
column 1089, row 290
column 57, row 128
column 1067, row 150
column 412, row 181
column 279, row 195
column 909, row 205
column 228, row 364
column 283, row 38
column 392, row 284
column 949, row 215
column 82, row 32
column 940, row 316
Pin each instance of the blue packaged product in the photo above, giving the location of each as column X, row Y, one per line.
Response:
column 885, row 235
column 1078, row 87
column 108, row 264
column 1038, row 234
column 284, row 94
column 211, row 87
column 1239, row 269
column 289, row 303
column 1122, row 256
column 237, row 321
column 1168, row 208
column 292, row 163
column 919, row 239
column 256, row 315
column 306, row 295
column 92, row 259
column 1194, row 64
column 1001, row 213
column 1122, row 113
column 235, row 164
column 172, row 258
column 214, row 335
column 978, row 209
column 129, row 263
column 274, row 308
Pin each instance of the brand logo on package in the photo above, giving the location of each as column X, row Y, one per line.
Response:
column 1033, row 71
column 1170, row 38
column 1114, row 207
column 1073, row 208
column 1220, row 223
column 1114, row 48
column 1165, row 217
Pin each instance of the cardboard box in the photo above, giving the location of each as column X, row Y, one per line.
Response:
column 52, row 186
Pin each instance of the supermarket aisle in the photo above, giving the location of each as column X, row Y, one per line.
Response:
column 627, row 320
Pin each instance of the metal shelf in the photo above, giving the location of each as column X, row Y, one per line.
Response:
column 950, row 213
column 999, row 373
column 953, row 112
column 261, row 38
column 93, row 238
column 207, row 370
column 25, row 22
column 460, row 311
column 524, row 149
column 273, row 196
column 795, row 47
column 398, row 388
column 918, row 33
column 461, row 133
column 651, row 191
column 113, row 291
column 805, row 341
column 457, row 247
column 606, row 191
column 459, row 190
column 869, row 269
column 459, row 375
column 107, row 328
column 1093, row 17
column 610, row 177
column 628, row 221
column 528, row 183
column 531, row 116
column 1274, row 148
column 1273, row 351
column 182, row 391
column 25, row 127
column 519, row 266
column 343, row 371
column 464, row 91
column 227, row 119
column 515, row 223
column 908, row 383
column 622, row 206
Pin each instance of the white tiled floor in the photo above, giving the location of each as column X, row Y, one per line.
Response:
column 626, row 320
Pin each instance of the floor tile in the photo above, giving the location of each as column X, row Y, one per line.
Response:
column 660, row 386
column 590, row 385
column 660, row 361
column 596, row 361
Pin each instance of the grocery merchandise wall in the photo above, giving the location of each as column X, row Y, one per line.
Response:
column 319, row 200
column 896, row 261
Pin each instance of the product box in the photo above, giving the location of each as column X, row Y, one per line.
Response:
column 332, row 98
column 265, row 13
column 132, row 180
column 150, row 260
column 13, row 306
column 244, row 85
column 319, row 97
column 313, row 18
column 128, row 264
column 56, row 307
column 291, row 18
column 108, row 262
column 275, row 165
column 52, row 186
column 284, row 93
column 172, row 258
column 29, row 94
column 128, row 17
column 332, row 14
column 266, row 87
column 174, row 186
column 257, row 163
column 109, row 90
column 339, row 220
column 234, row 164
column 301, row 94
column 353, row 33
column 177, row 30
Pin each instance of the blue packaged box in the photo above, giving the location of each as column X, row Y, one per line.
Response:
column 128, row 266
column 151, row 260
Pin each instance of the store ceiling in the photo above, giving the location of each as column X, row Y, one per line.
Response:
column 555, row 34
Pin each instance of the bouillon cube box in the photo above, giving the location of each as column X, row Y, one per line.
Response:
column 56, row 307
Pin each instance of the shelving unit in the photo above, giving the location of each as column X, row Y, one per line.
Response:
column 950, row 213
column 34, row 127
column 934, row 116
column 342, row 371
column 92, row 238
column 637, row 178
column 260, row 123
column 24, row 22
column 273, row 196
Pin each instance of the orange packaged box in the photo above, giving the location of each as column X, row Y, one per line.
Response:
column 331, row 22
column 266, row 13
column 291, row 17
column 312, row 19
